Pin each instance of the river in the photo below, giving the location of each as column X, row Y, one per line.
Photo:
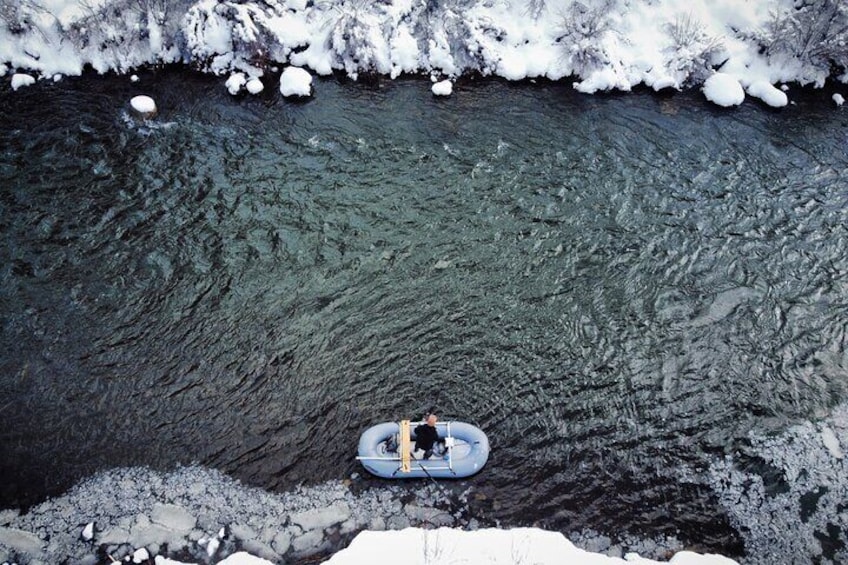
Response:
column 616, row 288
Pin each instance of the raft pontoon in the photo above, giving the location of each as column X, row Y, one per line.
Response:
column 386, row 450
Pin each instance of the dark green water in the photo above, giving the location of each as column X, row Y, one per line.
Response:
column 615, row 288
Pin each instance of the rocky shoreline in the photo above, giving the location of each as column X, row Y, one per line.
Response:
column 199, row 515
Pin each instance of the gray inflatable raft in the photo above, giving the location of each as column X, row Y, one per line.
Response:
column 385, row 450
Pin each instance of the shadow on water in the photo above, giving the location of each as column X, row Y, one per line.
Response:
column 616, row 288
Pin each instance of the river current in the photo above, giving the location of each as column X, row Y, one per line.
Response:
column 616, row 288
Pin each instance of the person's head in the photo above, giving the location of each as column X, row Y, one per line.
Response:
column 431, row 420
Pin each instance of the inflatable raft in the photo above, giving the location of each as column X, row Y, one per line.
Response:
column 386, row 450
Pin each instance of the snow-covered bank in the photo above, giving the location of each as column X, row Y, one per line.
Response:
column 490, row 546
column 603, row 44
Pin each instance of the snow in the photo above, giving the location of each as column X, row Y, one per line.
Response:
column 838, row 99
column 140, row 555
column 490, row 546
column 772, row 96
column 831, row 442
column 613, row 45
column 295, row 82
column 242, row 558
column 442, row 88
column 255, row 86
column 235, row 83
column 20, row 79
column 143, row 104
column 159, row 560
column 724, row 90
column 134, row 78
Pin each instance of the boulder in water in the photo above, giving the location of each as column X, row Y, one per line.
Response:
column 143, row 107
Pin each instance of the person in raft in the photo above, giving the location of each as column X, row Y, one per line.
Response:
column 426, row 436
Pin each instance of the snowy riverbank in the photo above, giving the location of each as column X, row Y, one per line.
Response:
column 755, row 45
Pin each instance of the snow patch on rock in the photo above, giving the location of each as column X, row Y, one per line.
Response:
column 442, row 88
column 295, row 82
column 19, row 80
column 724, row 90
column 772, row 96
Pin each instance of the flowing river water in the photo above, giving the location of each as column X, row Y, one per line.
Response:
column 617, row 289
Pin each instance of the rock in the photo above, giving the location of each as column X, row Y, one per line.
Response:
column 442, row 88
column 268, row 533
column 723, row 90
column 174, row 518
column 309, row 541
column 88, row 532
column 260, row 549
column 295, row 82
column 377, row 524
column 143, row 107
column 20, row 79
column 113, row 536
column 243, row 532
column 6, row 516
column 397, row 522
column 156, row 533
column 442, row 264
column 235, row 83
column 140, row 555
column 321, row 518
column 255, row 86
column 21, row 541
column 212, row 546
column 282, row 542
column 347, row 526
column 615, row 551
column 428, row 515
column 597, row 544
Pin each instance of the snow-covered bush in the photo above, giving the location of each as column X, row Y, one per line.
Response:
column 125, row 33
column 583, row 29
column 231, row 35
column 456, row 43
column 815, row 32
column 692, row 51
column 535, row 8
column 16, row 15
column 358, row 37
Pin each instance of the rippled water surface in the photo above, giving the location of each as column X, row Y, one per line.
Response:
column 615, row 288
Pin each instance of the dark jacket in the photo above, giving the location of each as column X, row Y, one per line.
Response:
column 425, row 437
